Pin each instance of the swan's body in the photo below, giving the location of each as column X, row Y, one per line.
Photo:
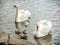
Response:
column 21, row 15
column 43, row 27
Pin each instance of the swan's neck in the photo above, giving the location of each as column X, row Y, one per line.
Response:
column 36, row 28
column 16, row 14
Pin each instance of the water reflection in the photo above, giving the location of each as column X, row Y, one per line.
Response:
column 18, row 25
column 46, row 40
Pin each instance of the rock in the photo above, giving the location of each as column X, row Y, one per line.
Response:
column 53, row 44
column 4, row 38
column 15, row 41
column 21, row 34
column 17, row 32
column 25, row 32
column 24, row 37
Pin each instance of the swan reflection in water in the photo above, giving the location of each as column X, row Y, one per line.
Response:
column 46, row 40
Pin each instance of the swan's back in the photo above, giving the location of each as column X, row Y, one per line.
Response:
column 23, row 15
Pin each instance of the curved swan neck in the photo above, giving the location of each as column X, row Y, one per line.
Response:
column 16, row 13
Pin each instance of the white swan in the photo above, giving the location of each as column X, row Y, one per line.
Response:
column 21, row 15
column 43, row 27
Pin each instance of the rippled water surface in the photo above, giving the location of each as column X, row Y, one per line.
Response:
column 40, row 9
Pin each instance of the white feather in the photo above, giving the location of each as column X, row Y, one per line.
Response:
column 45, row 27
column 23, row 15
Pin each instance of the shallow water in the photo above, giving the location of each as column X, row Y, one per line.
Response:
column 40, row 9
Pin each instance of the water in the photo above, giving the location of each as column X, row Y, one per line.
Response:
column 40, row 9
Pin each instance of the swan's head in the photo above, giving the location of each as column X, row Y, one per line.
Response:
column 14, row 6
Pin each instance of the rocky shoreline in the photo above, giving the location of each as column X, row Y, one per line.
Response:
column 5, row 39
